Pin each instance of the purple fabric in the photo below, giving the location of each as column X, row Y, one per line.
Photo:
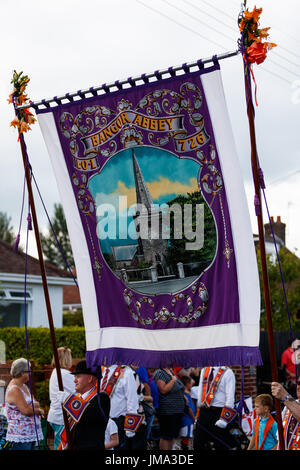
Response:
column 230, row 356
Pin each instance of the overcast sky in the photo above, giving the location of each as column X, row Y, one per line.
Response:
column 68, row 45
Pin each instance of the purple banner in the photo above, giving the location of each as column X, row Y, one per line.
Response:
column 146, row 176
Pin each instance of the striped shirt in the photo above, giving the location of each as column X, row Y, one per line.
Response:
column 172, row 402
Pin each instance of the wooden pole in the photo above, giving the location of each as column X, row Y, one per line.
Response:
column 259, row 215
column 44, row 278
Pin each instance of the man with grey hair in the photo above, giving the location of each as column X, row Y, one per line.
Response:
column 88, row 412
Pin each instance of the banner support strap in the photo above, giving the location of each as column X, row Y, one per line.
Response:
column 129, row 81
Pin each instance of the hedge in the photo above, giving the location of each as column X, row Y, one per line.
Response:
column 39, row 342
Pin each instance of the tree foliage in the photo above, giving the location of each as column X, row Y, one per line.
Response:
column 290, row 267
column 39, row 342
column 49, row 244
column 6, row 230
column 73, row 318
column 177, row 247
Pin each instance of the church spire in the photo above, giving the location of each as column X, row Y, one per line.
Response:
column 143, row 195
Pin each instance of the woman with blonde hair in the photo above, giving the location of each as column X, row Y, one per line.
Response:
column 55, row 415
column 23, row 411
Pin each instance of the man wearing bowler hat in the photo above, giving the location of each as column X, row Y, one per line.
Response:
column 88, row 411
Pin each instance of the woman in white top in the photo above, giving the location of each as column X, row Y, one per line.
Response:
column 23, row 411
column 55, row 415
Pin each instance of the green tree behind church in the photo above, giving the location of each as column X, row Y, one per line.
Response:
column 177, row 247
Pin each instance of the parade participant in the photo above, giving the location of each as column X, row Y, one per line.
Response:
column 170, row 408
column 290, row 415
column 288, row 363
column 119, row 384
column 111, row 435
column 264, row 434
column 216, row 395
column 153, row 388
column 189, row 415
column 145, row 405
column 24, row 426
column 88, row 412
column 55, row 414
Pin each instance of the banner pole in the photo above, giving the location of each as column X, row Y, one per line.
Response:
column 259, row 215
column 43, row 275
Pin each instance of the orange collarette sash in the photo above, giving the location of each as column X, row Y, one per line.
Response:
column 268, row 426
column 292, row 439
column 75, row 407
column 112, row 382
column 208, row 395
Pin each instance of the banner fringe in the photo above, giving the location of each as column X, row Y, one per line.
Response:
column 193, row 358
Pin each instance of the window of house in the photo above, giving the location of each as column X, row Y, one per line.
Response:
column 12, row 307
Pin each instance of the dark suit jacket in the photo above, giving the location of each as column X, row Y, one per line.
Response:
column 89, row 433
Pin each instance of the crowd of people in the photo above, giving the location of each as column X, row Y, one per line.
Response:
column 136, row 408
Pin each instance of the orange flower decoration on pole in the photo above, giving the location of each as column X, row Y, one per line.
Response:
column 256, row 53
column 253, row 44
column 254, row 37
column 24, row 118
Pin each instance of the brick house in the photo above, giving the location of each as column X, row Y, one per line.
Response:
column 279, row 235
column 71, row 297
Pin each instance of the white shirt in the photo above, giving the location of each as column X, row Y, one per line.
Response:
column 86, row 394
column 124, row 398
column 194, row 392
column 55, row 414
column 225, row 393
column 111, row 429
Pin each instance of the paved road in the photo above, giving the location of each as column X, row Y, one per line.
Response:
column 162, row 287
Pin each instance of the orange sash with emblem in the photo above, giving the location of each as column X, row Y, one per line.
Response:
column 291, row 432
column 72, row 419
column 112, row 382
column 208, row 394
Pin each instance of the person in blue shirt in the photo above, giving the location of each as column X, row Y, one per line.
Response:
column 189, row 416
column 264, row 434
column 151, row 389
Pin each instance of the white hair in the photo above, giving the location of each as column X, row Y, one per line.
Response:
column 19, row 366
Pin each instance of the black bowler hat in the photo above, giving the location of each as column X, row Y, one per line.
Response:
column 81, row 368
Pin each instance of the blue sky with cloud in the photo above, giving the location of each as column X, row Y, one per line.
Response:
column 155, row 164
column 166, row 177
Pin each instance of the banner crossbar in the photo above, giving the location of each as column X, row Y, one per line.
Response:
column 57, row 100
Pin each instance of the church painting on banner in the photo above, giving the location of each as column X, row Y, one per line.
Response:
column 147, row 231
column 159, row 224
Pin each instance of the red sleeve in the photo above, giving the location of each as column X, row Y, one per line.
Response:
column 284, row 358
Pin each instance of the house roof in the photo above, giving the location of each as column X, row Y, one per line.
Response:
column 269, row 239
column 13, row 262
column 71, row 295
